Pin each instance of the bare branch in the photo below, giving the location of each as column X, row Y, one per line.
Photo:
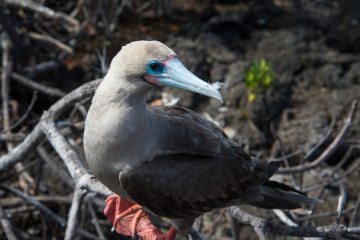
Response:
column 348, row 172
column 36, row 136
column 37, row 86
column 354, row 217
column 45, row 210
column 329, row 151
column 340, row 208
column 196, row 235
column 332, row 231
column 49, row 39
column 68, row 155
column 61, row 173
column 12, row 137
column 235, row 231
column 7, row 226
column 95, row 218
column 70, row 232
column 216, row 223
column 324, row 139
column 17, row 154
column 18, row 122
column 14, row 201
column 323, row 215
column 286, row 161
column 46, row 12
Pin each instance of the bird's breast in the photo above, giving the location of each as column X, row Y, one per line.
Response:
column 112, row 146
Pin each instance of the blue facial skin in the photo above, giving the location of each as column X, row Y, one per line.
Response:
column 160, row 69
column 176, row 75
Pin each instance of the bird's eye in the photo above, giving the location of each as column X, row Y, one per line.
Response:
column 154, row 66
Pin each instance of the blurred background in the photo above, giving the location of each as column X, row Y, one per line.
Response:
column 290, row 64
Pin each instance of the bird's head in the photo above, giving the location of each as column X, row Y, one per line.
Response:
column 147, row 64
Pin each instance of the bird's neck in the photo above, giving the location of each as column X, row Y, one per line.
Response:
column 118, row 131
column 123, row 102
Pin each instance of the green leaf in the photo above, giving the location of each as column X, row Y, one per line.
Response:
column 258, row 78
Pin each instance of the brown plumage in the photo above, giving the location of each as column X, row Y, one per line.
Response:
column 170, row 160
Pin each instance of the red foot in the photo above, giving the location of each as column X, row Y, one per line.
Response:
column 130, row 219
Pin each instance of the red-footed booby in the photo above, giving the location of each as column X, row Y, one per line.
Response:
column 169, row 160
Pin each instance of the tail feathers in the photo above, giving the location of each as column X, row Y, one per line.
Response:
column 269, row 202
column 280, row 196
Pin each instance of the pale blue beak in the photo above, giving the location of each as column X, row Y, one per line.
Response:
column 176, row 74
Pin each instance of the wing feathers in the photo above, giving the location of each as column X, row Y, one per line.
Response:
column 184, row 131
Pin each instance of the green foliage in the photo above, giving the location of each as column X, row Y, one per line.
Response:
column 259, row 78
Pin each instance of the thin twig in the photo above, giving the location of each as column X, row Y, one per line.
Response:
column 49, row 39
column 343, row 175
column 77, row 9
column 343, row 161
column 324, row 215
column 46, row 12
column 290, row 155
column 7, row 226
column 216, row 223
column 71, row 229
column 23, row 117
column 196, row 235
column 95, row 219
column 37, row 86
column 14, row 201
column 340, row 208
column 45, row 210
column 285, row 160
column 354, row 217
column 323, row 140
column 329, row 151
column 331, row 231
column 61, row 173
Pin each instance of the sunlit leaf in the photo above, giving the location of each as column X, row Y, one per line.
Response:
column 258, row 78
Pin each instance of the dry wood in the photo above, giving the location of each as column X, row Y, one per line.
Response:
column 45, row 210
column 46, row 12
column 14, row 201
column 49, row 39
column 23, row 117
column 7, row 226
column 263, row 225
column 37, row 86
column 329, row 151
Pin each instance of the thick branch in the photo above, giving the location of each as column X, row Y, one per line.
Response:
column 36, row 136
column 68, row 155
column 18, row 153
